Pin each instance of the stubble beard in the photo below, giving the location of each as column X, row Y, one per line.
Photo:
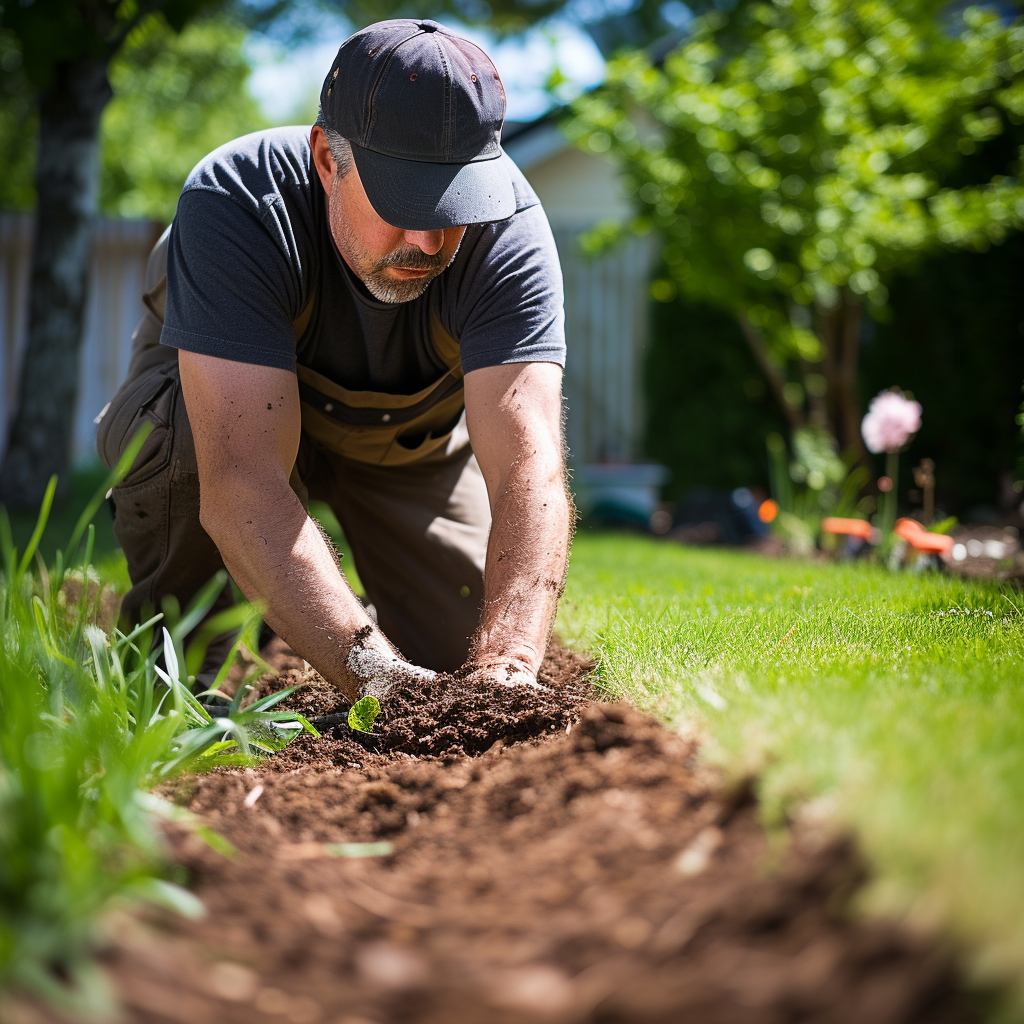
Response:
column 371, row 271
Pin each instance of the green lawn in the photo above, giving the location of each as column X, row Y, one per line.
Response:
column 894, row 701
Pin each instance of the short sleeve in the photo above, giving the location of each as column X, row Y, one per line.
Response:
column 510, row 306
column 231, row 290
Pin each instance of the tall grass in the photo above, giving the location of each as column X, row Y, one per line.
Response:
column 89, row 723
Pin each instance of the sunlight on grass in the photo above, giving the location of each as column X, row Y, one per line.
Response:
column 895, row 699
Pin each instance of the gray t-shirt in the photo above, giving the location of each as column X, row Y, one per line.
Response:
column 250, row 246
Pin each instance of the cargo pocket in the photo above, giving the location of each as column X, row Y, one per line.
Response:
column 149, row 400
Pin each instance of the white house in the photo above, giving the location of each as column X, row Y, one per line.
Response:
column 606, row 297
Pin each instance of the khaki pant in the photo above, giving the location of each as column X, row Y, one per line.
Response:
column 418, row 532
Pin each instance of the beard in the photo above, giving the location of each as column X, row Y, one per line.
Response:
column 371, row 271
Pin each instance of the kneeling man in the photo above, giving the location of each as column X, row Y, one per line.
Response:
column 368, row 314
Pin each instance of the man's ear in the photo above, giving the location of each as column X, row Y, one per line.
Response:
column 323, row 158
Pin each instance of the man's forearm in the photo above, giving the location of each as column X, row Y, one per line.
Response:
column 278, row 557
column 526, row 559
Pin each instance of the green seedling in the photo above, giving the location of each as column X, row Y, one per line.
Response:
column 359, row 849
column 363, row 713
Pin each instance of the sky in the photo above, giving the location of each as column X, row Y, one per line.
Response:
column 286, row 82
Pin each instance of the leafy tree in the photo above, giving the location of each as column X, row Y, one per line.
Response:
column 793, row 176
column 176, row 98
column 66, row 47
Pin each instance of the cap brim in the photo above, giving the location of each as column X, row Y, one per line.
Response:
column 419, row 196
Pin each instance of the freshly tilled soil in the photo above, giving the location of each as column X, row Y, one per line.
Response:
column 551, row 859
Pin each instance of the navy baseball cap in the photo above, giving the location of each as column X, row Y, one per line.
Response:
column 422, row 109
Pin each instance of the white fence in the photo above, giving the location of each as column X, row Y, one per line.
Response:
column 606, row 302
column 113, row 309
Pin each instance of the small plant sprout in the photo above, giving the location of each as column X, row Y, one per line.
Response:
column 363, row 713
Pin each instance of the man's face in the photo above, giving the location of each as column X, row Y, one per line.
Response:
column 394, row 264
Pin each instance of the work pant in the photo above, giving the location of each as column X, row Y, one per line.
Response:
column 418, row 533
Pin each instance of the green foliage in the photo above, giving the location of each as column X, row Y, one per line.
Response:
column 809, row 484
column 818, row 158
column 708, row 409
column 363, row 713
column 799, row 154
column 889, row 704
column 53, row 34
column 17, row 129
column 88, row 724
column 177, row 97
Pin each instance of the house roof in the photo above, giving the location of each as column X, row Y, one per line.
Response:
column 532, row 142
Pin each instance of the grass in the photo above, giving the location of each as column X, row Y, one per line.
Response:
column 83, row 484
column 89, row 724
column 893, row 702
column 108, row 560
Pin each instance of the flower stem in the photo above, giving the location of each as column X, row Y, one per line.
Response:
column 889, row 499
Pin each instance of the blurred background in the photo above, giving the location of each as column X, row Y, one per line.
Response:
column 767, row 213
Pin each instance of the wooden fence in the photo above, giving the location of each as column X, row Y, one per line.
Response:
column 113, row 309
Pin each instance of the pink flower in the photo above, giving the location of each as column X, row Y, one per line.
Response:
column 891, row 421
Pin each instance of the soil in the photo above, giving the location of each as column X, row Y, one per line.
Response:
column 545, row 858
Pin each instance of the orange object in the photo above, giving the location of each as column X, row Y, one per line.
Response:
column 921, row 539
column 767, row 510
column 847, row 527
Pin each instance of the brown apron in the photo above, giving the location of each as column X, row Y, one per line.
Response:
column 365, row 426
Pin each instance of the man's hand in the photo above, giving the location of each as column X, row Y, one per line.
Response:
column 509, row 672
column 379, row 671
column 514, row 414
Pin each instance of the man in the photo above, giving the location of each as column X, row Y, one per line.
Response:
column 369, row 314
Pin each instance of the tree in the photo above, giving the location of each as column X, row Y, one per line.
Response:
column 177, row 96
column 66, row 47
column 790, row 177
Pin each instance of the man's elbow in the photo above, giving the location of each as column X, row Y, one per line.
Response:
column 217, row 517
column 224, row 507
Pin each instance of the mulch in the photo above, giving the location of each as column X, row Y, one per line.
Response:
column 549, row 858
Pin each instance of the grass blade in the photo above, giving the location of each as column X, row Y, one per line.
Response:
column 37, row 533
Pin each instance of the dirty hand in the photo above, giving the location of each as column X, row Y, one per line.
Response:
column 378, row 670
column 505, row 672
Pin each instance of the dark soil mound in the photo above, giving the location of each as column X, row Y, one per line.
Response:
column 597, row 875
column 443, row 718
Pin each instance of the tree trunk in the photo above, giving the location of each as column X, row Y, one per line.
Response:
column 839, row 330
column 848, row 419
column 67, row 178
column 774, row 376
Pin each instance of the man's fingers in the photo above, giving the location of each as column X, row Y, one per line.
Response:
column 378, row 670
column 507, row 673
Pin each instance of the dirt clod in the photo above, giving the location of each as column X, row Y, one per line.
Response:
column 596, row 873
